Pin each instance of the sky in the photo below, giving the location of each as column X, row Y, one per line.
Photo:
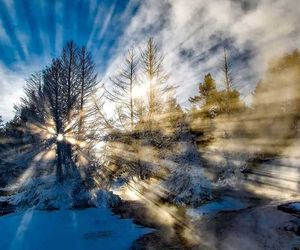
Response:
column 191, row 35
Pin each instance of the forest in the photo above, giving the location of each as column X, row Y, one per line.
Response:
column 146, row 157
column 148, row 125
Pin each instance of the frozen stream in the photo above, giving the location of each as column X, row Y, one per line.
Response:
column 225, row 204
column 93, row 228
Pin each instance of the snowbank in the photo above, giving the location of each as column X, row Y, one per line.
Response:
column 47, row 193
column 188, row 186
column 187, row 183
column 262, row 227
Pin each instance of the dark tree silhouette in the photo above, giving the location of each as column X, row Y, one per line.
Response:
column 60, row 98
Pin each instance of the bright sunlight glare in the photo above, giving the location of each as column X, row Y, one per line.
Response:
column 60, row 137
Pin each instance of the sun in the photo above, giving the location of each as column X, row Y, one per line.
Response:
column 60, row 137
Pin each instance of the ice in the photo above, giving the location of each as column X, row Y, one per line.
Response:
column 93, row 228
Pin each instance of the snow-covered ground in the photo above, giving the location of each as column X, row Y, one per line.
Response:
column 260, row 227
column 291, row 207
column 225, row 204
column 93, row 228
column 187, row 183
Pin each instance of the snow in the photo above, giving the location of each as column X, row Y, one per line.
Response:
column 93, row 228
column 225, row 204
column 187, row 183
column 259, row 227
column 188, row 186
column 292, row 207
column 295, row 206
column 47, row 193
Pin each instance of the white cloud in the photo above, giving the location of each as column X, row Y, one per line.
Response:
column 268, row 28
column 10, row 92
column 3, row 35
column 12, row 82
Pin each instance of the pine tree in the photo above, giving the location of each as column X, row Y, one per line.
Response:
column 208, row 98
column 276, row 103
column 206, row 89
column 174, row 114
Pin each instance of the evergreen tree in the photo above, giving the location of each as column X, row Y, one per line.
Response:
column 208, row 98
column 276, row 103
column 174, row 115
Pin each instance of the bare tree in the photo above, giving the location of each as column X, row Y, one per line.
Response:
column 228, row 80
column 101, row 121
column 155, row 78
column 53, row 92
column 71, row 90
column 123, row 87
column 1, row 123
column 88, row 81
column 70, row 78
column 227, row 71
column 34, row 99
column 61, row 96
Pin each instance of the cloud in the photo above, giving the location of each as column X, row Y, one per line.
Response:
column 11, row 91
column 3, row 35
column 12, row 81
column 191, row 34
column 107, row 21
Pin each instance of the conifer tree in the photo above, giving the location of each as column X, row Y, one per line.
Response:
column 208, row 97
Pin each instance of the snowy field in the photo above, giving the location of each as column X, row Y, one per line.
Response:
column 94, row 228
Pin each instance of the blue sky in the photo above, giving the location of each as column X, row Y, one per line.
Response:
column 34, row 31
column 38, row 29
column 190, row 34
